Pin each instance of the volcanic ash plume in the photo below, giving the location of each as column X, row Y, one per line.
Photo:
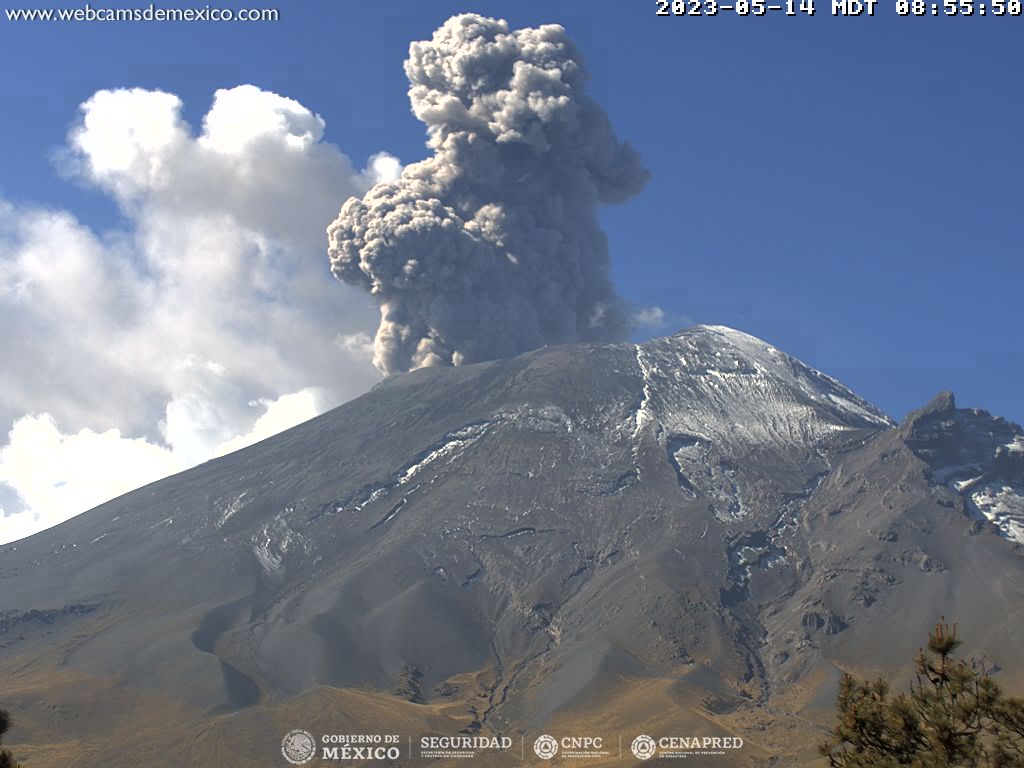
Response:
column 491, row 247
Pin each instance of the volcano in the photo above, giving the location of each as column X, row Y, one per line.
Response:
column 692, row 536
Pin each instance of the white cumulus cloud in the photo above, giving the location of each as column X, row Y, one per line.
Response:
column 207, row 323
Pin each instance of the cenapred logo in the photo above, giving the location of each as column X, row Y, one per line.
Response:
column 643, row 747
column 546, row 747
column 298, row 746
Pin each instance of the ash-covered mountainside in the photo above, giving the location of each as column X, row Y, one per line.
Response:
column 693, row 533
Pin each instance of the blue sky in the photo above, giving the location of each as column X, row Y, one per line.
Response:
column 848, row 189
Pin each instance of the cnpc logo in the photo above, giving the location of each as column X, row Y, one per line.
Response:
column 546, row 747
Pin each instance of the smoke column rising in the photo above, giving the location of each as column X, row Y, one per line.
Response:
column 491, row 247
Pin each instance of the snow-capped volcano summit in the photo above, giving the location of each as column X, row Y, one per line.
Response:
column 690, row 535
column 719, row 384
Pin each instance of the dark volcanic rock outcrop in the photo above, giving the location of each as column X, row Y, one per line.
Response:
column 978, row 455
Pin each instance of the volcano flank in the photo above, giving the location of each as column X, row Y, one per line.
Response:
column 692, row 537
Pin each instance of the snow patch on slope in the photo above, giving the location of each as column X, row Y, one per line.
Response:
column 445, row 452
column 229, row 511
column 644, row 414
column 546, row 418
column 1002, row 505
column 453, row 444
column 272, row 542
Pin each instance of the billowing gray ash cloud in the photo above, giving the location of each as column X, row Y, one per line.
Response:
column 491, row 247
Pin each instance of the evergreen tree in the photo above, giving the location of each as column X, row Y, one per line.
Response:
column 6, row 758
column 955, row 716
